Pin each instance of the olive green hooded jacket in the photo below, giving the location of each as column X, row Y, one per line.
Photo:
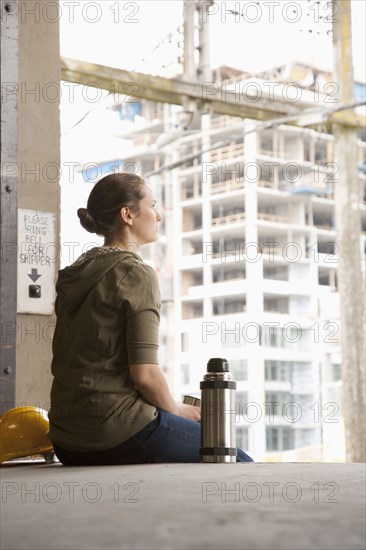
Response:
column 108, row 313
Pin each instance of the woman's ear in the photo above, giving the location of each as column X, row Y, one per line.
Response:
column 125, row 215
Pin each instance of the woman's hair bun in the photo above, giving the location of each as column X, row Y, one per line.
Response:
column 108, row 196
column 87, row 221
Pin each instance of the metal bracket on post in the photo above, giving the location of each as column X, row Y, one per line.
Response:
column 190, row 108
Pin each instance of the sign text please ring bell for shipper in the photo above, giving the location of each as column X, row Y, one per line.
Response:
column 37, row 258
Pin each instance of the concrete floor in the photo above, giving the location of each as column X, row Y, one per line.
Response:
column 262, row 506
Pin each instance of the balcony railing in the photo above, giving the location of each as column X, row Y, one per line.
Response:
column 227, row 310
column 230, row 218
column 227, row 152
column 224, row 120
column 226, row 186
column 328, row 227
column 272, row 217
column 270, row 250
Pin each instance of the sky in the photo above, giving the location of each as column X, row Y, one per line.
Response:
column 253, row 37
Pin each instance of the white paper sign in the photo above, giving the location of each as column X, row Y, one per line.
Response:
column 37, row 256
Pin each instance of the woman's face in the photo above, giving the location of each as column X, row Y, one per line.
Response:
column 145, row 224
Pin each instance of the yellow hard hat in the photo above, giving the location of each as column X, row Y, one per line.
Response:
column 23, row 433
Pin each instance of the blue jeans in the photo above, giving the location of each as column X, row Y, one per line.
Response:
column 167, row 438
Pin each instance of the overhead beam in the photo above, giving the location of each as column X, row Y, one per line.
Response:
column 212, row 96
column 348, row 118
column 165, row 90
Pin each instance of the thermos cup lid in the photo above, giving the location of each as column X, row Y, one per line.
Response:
column 217, row 364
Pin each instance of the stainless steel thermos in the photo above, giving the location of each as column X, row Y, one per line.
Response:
column 218, row 435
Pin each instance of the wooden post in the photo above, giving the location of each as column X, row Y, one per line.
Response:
column 205, row 73
column 190, row 72
column 348, row 224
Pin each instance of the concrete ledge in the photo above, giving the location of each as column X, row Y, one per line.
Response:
column 252, row 506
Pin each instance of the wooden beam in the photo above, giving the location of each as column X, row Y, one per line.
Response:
column 214, row 96
column 348, row 118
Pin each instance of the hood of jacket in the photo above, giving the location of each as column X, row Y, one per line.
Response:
column 76, row 280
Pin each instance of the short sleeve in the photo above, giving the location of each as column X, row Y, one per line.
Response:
column 141, row 293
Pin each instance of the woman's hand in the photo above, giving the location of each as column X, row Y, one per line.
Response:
column 189, row 411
